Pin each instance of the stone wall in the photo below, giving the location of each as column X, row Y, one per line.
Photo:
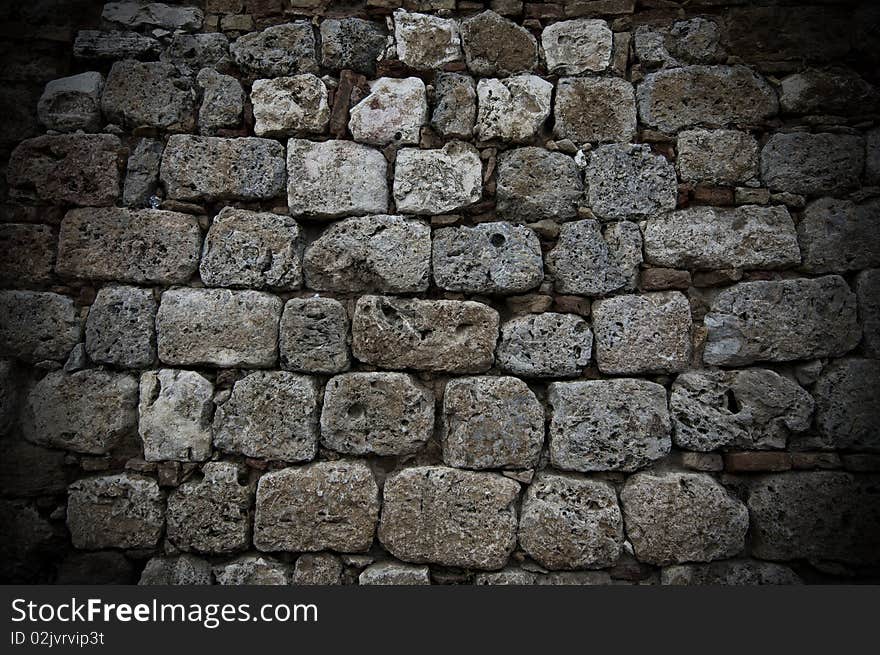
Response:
column 406, row 291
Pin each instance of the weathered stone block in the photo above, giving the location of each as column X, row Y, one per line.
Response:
column 134, row 15
column 513, row 108
column 812, row 164
column 317, row 569
column 594, row 109
column 325, row 505
column 142, row 173
column 608, row 425
column 868, row 293
column 437, row 181
column 534, row 184
column 129, row 245
column 72, row 103
column 253, row 570
column 436, row 335
column 496, row 46
column 189, row 53
column 376, row 413
column 847, row 404
column 121, row 327
column 179, row 570
column 313, row 335
column 781, row 321
column 372, row 253
column 285, row 106
column 394, row 573
column 94, row 44
column 694, row 41
column 545, row 345
column 491, row 423
column 222, row 101
column 175, row 415
column 435, row 514
column 571, row 523
column 682, row 517
column 872, row 156
column 426, row 42
column 733, row 572
column 724, row 157
column 393, row 112
column 270, row 415
column 277, row 51
column 37, row 326
column 151, row 94
column 352, row 43
column 455, row 109
column 218, row 327
column 837, row 91
column 260, row 250
column 572, row 47
column 34, row 249
column 642, row 334
column 838, row 236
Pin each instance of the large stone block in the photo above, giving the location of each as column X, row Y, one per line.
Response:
column 148, row 94
column 325, row 505
column 278, row 50
column 121, row 327
column 780, row 321
column 189, row 53
column 496, row 46
column 37, row 325
column 682, row 517
column 545, row 345
column 694, row 41
column 135, row 15
column 175, row 415
column 352, row 43
column 868, row 294
column 435, row 335
column 512, row 109
column 376, row 413
column 437, row 181
column 313, row 335
column 72, row 103
column 572, row 47
column 129, row 245
column 725, row 157
column 594, row 109
column 94, row 44
column 569, row 522
column 837, row 236
column 426, row 42
column 285, row 106
column 847, row 404
column 608, row 425
column 435, row 514
column 218, row 327
column 34, row 248
column 393, row 112
column 222, row 101
column 837, row 91
column 534, row 184
column 813, row 164
column 591, row 262
column 455, row 108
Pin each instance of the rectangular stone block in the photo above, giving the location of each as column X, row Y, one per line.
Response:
column 313, row 336
column 37, row 325
column 813, row 164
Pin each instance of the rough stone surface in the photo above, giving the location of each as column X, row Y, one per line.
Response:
column 351, row 43
column 836, row 236
column 252, row 570
column 812, row 164
column 781, row 321
column 285, row 106
column 589, row 262
column 709, row 238
column 277, row 51
column 513, row 108
column 148, row 94
column 440, row 335
column 313, row 335
column 175, row 415
column 847, row 405
column 325, row 505
column 534, row 184
column 545, row 345
column 259, row 250
column 394, row 573
column 872, row 157
column 487, row 258
column 72, row 103
column 868, row 293
column 730, row 573
column 724, row 157
column 603, row 425
column 455, row 108
column 189, row 53
column 34, row 248
column 37, row 325
column 317, row 569
column 393, row 112
column 134, row 15
column 218, row 327
column 437, row 181
column 376, row 413
column 682, row 517
column 142, row 173
column 180, row 570
column 426, row 42
column 95, row 44
column 222, row 101
column 750, row 409
column 836, row 91
column 120, row 329
column 491, row 423
column 643, row 334
column 594, row 109
column 435, row 514
column 572, row 47
column 496, row 46
column 571, row 523
column 389, row 254
column 694, row 41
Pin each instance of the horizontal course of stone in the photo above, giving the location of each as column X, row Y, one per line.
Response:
column 425, row 292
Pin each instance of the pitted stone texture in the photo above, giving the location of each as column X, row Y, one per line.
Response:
column 816, row 515
column 487, row 258
column 222, row 101
column 135, row 15
column 608, row 425
column 496, row 46
column 335, row 178
column 317, row 569
column 838, row 235
column 211, row 515
column 534, row 184
column 569, row 522
column 572, row 47
column 175, row 415
column 115, row 511
column 270, row 415
column 382, row 253
column 507, row 576
column 491, row 423
column 129, row 245
column 726, row 157
column 313, row 336
column 284, row 106
column 393, row 112
column 781, row 321
column 837, row 91
column 585, row 261
column 376, row 413
column 513, row 108
column 189, row 53
column 218, row 327
column 148, row 94
column 872, row 156
column 394, row 573
column 694, row 41
column 704, row 95
column 594, row 109
column 325, row 505
column 277, row 51
column 813, row 164
column 730, row 573
column 34, row 248
column 70, row 169
column 93, row 44
column 37, row 325
column 709, row 238
column 426, row 42
column 682, row 517
column 435, row 514
column 847, row 404
column 628, row 181
column 204, row 168
column 252, row 570
column 121, row 327
column 10, row 398
column 545, row 345
column 142, row 173
column 437, row 181
column 260, row 250
column 751, row 409
column 179, row 570
column 72, row 103
column 649, row 333
column 352, row 43
column 868, row 293
column 455, row 111
column 436, row 335
column 87, row 412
